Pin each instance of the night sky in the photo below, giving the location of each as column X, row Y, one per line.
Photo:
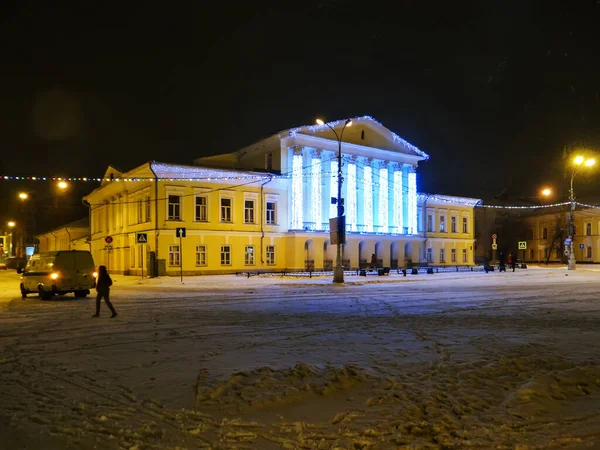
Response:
column 492, row 90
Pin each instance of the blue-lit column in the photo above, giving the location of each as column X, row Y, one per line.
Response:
column 368, row 195
column 398, row 198
column 333, row 186
column 375, row 164
column 315, row 189
column 297, row 197
column 412, row 200
column 325, row 189
column 383, row 206
column 351, row 216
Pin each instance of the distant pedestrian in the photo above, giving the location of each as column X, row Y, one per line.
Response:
column 103, row 284
column 501, row 263
column 512, row 261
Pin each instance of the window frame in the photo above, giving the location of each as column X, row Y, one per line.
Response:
column 174, row 261
column 442, row 255
column 270, row 255
column 465, row 224
column 453, row 224
column 228, row 209
column 249, row 256
column 198, row 208
column 177, row 206
column 442, row 223
column 273, row 212
column 250, row 211
column 199, row 252
column 465, row 256
column 226, row 255
column 453, row 255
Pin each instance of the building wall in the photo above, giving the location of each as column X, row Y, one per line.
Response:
column 61, row 239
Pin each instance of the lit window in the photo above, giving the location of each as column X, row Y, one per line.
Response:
column 248, row 211
column 271, row 218
column 225, row 255
column 200, row 255
column 270, row 254
column 174, row 212
column 249, row 255
column 174, row 256
column 225, row 210
column 442, row 224
column 201, row 209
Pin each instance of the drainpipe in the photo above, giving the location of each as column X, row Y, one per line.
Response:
column 262, row 220
column 425, row 227
column 156, row 220
column 89, row 206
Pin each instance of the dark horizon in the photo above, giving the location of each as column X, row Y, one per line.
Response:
column 494, row 92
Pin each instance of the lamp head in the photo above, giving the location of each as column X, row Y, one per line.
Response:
column 23, row 195
column 578, row 160
column 348, row 123
column 11, row 223
column 546, row 192
column 62, row 185
column 320, row 122
column 590, row 162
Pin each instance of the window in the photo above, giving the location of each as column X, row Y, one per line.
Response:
column 248, row 211
column 140, row 217
column 270, row 255
column 148, row 206
column 453, row 255
column 442, row 255
column 174, row 256
column 249, row 255
column 429, row 255
column 588, row 252
column 271, row 218
column 174, row 212
column 465, row 222
column 588, row 229
column 201, row 214
column 544, row 233
column 430, row 223
column 453, row 225
column 200, row 255
column 225, row 255
column 465, row 257
column 225, row 210
column 442, row 224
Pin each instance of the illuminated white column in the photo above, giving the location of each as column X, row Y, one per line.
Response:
column 412, row 201
column 297, row 194
column 315, row 193
column 333, row 187
column 351, row 216
column 383, row 199
column 368, row 195
column 398, row 200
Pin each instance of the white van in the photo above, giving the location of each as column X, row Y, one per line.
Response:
column 57, row 273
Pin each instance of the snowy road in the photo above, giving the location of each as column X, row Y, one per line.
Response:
column 444, row 361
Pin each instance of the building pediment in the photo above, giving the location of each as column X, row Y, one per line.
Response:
column 364, row 131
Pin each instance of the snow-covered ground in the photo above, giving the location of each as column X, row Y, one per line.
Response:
column 444, row 361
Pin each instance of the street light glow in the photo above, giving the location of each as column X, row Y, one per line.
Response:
column 320, row 122
column 349, row 123
column 546, row 192
column 590, row 162
column 23, row 195
column 11, row 223
column 62, row 185
column 579, row 160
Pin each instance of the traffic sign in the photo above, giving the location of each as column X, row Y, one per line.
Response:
column 142, row 238
column 108, row 239
column 108, row 248
column 494, row 246
column 522, row 245
column 494, row 236
column 582, row 246
column 180, row 232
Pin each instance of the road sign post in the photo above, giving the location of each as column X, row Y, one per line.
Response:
column 142, row 238
column 180, row 233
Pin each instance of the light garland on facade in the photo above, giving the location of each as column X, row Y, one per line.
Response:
column 297, row 203
column 351, row 212
column 532, row 207
column 368, row 191
column 315, row 204
column 383, row 198
column 412, row 203
column 398, row 202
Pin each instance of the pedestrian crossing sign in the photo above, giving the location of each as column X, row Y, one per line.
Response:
column 142, row 238
column 522, row 245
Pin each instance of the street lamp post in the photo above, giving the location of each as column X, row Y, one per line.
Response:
column 578, row 162
column 338, row 271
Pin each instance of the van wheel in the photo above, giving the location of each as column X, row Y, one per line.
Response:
column 44, row 295
column 80, row 294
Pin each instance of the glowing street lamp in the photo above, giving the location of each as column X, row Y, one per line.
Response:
column 546, row 192
column 338, row 271
column 11, row 223
column 578, row 161
column 23, row 195
column 62, row 185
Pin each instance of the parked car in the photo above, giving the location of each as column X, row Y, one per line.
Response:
column 16, row 263
column 58, row 273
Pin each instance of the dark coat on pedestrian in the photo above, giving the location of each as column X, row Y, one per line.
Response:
column 104, row 281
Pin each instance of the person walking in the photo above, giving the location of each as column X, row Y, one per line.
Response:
column 103, row 285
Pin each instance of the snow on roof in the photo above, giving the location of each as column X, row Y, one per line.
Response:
column 191, row 173
column 465, row 201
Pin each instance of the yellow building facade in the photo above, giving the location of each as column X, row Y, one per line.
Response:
column 267, row 207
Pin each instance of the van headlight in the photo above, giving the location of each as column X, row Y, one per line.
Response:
column 95, row 274
column 54, row 275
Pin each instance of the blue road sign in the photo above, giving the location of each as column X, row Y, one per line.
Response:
column 142, row 238
column 581, row 245
column 180, row 232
